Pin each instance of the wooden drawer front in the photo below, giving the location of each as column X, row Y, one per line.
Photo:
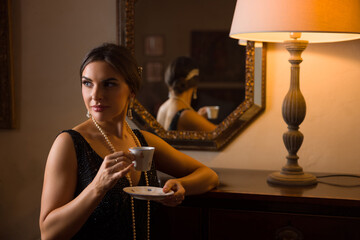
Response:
column 177, row 223
column 229, row 224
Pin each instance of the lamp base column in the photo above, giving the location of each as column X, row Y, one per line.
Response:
column 293, row 111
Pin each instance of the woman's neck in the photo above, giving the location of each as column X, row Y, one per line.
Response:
column 182, row 101
column 185, row 96
column 115, row 128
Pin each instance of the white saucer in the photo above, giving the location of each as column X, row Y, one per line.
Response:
column 147, row 193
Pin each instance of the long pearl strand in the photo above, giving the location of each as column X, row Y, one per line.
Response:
column 112, row 148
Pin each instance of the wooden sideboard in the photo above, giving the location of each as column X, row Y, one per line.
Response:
column 245, row 206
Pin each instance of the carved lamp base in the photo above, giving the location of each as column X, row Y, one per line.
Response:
column 293, row 111
column 286, row 179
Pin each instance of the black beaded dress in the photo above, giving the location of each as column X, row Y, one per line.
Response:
column 112, row 218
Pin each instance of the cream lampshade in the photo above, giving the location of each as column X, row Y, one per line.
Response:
column 295, row 23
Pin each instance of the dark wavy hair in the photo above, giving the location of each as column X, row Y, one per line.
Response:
column 177, row 72
column 120, row 58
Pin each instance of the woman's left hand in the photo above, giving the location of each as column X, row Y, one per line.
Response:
column 177, row 197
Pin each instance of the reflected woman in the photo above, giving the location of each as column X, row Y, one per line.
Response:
column 182, row 77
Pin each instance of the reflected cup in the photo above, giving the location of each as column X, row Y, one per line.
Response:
column 143, row 157
column 212, row 112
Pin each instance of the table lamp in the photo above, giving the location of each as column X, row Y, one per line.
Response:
column 295, row 23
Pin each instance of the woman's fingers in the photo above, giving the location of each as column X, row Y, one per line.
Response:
column 179, row 193
column 120, row 164
column 202, row 112
column 123, row 171
column 119, row 156
column 118, row 161
column 114, row 167
column 172, row 201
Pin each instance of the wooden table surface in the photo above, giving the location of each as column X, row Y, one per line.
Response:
column 246, row 205
column 254, row 182
column 250, row 187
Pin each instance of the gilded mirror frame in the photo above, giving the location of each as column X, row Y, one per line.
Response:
column 232, row 125
column 7, row 118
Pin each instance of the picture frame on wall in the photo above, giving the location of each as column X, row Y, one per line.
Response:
column 6, row 78
column 154, row 71
column 154, row 45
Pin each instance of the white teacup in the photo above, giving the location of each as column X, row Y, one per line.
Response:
column 143, row 157
column 212, row 112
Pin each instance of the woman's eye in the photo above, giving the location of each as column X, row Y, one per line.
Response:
column 87, row 83
column 109, row 84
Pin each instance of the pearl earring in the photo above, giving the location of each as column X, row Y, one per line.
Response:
column 195, row 94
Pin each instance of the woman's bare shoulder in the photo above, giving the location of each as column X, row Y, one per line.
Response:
column 64, row 144
column 191, row 120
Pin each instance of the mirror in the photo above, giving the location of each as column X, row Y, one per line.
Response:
column 152, row 43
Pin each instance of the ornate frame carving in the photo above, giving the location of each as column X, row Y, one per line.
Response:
column 6, row 80
column 245, row 113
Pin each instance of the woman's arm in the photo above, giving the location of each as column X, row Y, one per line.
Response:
column 61, row 215
column 195, row 177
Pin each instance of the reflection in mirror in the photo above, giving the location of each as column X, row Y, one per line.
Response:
column 161, row 36
column 231, row 76
column 176, row 113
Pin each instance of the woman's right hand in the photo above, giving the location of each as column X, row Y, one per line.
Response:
column 202, row 112
column 114, row 167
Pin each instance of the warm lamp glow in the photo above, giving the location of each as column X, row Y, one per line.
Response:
column 317, row 20
column 295, row 23
column 281, row 36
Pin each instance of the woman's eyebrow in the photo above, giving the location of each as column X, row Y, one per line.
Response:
column 110, row 79
column 107, row 79
column 86, row 78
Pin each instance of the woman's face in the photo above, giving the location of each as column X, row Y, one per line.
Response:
column 105, row 92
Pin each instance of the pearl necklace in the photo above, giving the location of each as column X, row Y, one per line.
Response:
column 112, row 148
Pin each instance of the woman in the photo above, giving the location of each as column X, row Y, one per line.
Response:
column 89, row 165
column 176, row 113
